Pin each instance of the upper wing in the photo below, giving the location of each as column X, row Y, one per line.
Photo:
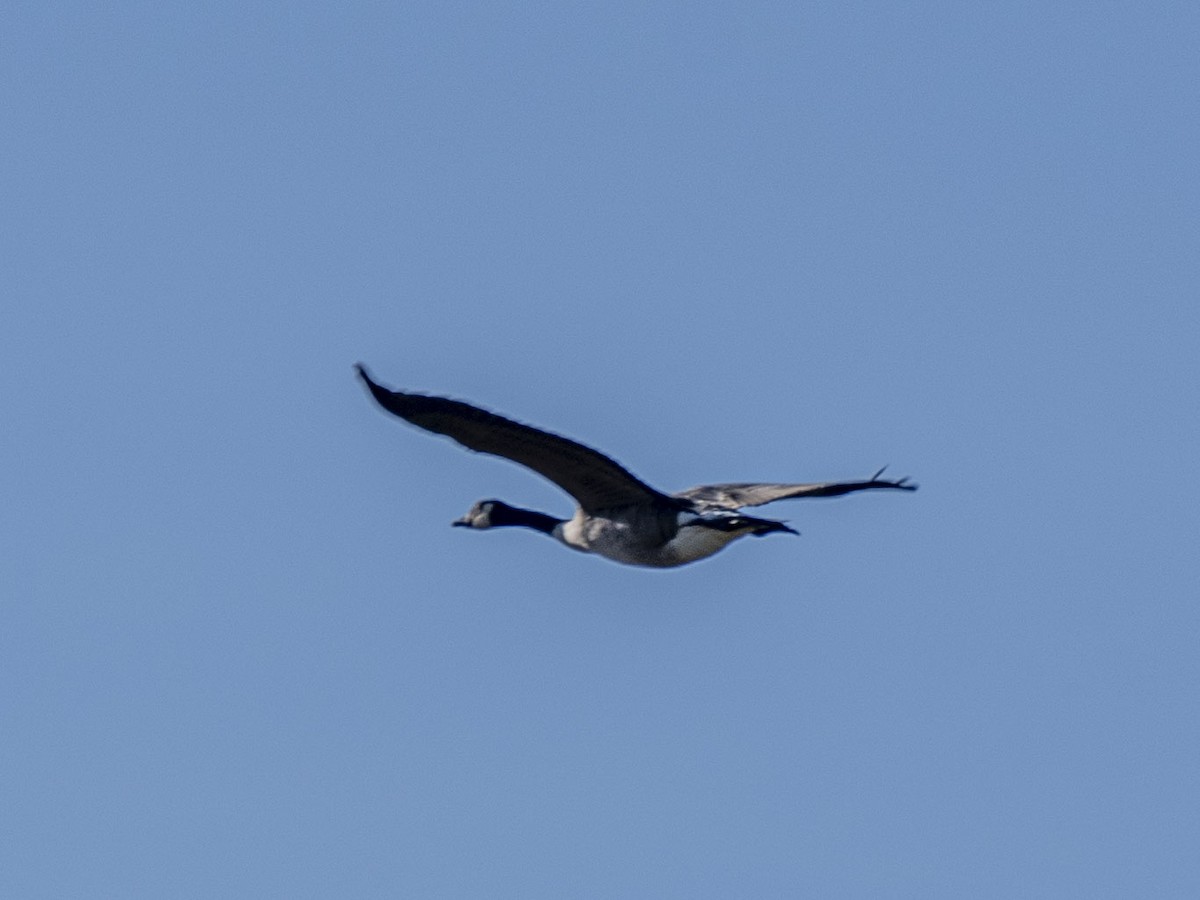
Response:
column 595, row 481
column 735, row 496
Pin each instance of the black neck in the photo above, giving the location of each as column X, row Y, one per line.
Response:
column 514, row 515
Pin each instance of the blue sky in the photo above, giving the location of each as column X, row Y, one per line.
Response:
column 243, row 654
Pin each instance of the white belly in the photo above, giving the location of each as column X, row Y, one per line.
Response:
column 694, row 542
column 615, row 541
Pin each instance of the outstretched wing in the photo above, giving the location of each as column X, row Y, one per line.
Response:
column 595, row 481
column 735, row 496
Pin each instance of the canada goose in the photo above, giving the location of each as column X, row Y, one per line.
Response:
column 617, row 515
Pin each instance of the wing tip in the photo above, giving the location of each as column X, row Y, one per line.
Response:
column 382, row 395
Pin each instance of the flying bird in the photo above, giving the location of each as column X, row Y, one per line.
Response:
column 617, row 515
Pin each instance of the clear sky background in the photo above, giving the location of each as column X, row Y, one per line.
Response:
column 243, row 654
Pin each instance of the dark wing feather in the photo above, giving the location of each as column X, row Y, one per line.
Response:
column 595, row 481
column 735, row 496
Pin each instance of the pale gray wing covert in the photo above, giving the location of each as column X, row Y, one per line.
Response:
column 735, row 496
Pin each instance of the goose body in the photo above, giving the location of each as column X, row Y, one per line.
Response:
column 617, row 516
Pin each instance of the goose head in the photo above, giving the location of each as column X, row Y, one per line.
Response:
column 480, row 515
